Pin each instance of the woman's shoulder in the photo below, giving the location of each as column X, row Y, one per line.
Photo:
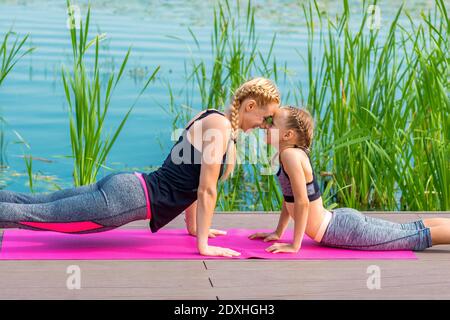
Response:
column 216, row 119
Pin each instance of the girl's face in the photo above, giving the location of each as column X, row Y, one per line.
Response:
column 276, row 131
column 254, row 116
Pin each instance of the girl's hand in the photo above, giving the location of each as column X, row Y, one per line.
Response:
column 282, row 247
column 212, row 233
column 272, row 236
column 218, row 251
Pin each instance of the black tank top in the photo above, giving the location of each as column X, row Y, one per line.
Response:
column 312, row 187
column 173, row 187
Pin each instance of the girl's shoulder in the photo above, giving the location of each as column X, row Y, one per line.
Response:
column 293, row 153
column 293, row 157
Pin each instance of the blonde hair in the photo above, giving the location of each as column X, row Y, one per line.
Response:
column 263, row 91
column 301, row 121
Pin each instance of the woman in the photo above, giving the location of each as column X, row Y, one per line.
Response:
column 291, row 132
column 186, row 181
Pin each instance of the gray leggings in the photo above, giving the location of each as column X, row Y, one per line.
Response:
column 112, row 201
column 350, row 229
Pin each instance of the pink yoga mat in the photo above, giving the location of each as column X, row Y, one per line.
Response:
column 168, row 244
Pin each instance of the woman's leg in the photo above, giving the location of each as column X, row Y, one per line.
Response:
column 350, row 230
column 116, row 200
column 27, row 198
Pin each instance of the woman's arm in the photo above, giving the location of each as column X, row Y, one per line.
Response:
column 292, row 163
column 215, row 136
column 191, row 222
column 190, row 218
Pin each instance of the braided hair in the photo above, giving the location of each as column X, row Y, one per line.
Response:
column 301, row 121
column 263, row 91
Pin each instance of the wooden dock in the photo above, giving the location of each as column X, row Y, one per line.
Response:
column 425, row 278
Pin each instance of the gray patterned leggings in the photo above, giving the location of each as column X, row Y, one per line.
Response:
column 112, row 201
column 350, row 229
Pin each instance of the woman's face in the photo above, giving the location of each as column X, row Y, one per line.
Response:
column 275, row 129
column 254, row 116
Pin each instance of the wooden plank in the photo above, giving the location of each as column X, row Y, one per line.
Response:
column 434, row 214
column 326, row 271
column 150, row 274
column 332, row 280
column 105, row 279
column 435, row 253
column 406, row 291
column 266, row 220
column 428, row 277
column 108, row 293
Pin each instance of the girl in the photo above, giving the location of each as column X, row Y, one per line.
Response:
column 291, row 132
column 186, row 181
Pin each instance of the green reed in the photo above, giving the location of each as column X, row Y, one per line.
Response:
column 381, row 105
column 89, row 102
column 29, row 166
column 11, row 51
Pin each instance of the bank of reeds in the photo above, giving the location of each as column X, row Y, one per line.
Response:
column 379, row 95
column 389, row 88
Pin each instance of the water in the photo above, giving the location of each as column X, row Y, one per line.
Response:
column 32, row 97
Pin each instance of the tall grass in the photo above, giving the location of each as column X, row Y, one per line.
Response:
column 426, row 183
column 12, row 49
column 235, row 57
column 381, row 104
column 89, row 103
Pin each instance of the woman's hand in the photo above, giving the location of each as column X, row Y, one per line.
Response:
column 282, row 247
column 212, row 233
column 268, row 236
column 218, row 251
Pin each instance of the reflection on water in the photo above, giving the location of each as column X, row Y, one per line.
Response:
column 32, row 97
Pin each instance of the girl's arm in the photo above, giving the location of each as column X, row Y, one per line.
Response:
column 283, row 222
column 292, row 163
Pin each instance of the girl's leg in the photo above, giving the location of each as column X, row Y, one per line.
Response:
column 414, row 225
column 434, row 222
column 351, row 231
column 440, row 234
column 116, row 200
column 28, row 198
